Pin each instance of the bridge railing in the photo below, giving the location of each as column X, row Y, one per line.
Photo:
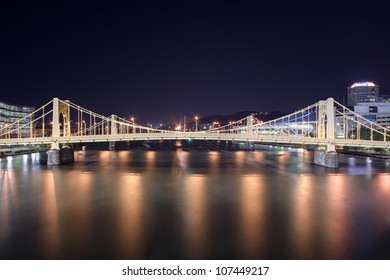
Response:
column 306, row 123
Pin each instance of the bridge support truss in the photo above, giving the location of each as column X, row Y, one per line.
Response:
column 326, row 124
column 57, row 155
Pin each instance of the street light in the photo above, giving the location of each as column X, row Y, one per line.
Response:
column 35, row 129
column 132, row 119
column 196, row 123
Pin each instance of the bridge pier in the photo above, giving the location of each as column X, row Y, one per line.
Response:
column 111, row 145
column 56, row 156
column 53, row 157
column 114, row 131
column 326, row 157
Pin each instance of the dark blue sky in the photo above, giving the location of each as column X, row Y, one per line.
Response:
column 160, row 60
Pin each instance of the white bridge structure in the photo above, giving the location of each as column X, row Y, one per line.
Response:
column 326, row 124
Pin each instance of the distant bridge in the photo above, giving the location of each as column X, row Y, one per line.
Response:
column 327, row 124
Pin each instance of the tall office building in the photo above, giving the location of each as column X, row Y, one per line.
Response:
column 11, row 113
column 362, row 92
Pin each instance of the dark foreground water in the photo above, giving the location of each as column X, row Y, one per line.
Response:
column 267, row 204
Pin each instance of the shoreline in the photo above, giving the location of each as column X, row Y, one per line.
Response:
column 366, row 154
column 14, row 151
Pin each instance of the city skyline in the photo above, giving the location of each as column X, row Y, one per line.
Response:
column 161, row 61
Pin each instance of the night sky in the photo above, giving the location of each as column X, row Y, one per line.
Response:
column 161, row 60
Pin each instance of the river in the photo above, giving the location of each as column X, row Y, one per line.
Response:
column 272, row 203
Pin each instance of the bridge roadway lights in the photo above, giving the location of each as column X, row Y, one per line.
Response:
column 327, row 158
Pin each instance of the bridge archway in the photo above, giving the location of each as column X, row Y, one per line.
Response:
column 326, row 119
column 64, row 114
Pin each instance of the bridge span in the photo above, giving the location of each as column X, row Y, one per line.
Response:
column 326, row 124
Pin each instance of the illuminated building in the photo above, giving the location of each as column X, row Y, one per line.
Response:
column 362, row 92
column 376, row 112
column 11, row 113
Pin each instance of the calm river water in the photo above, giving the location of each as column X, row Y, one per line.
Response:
column 266, row 204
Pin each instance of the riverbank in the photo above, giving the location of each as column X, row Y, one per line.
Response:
column 367, row 153
column 18, row 150
column 186, row 145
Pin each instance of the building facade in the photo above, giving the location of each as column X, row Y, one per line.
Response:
column 384, row 98
column 362, row 92
column 10, row 113
column 376, row 112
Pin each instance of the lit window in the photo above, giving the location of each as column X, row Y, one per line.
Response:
column 373, row 109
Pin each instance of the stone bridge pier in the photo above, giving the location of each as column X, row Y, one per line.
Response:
column 326, row 157
column 60, row 156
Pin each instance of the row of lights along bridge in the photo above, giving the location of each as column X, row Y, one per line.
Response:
column 81, row 127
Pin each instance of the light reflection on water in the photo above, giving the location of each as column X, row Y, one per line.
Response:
column 267, row 204
column 337, row 227
column 302, row 216
column 130, row 232
column 47, row 207
column 252, row 216
column 195, row 215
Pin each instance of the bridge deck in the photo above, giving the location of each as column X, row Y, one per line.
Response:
column 197, row 136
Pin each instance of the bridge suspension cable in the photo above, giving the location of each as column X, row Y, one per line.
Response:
column 326, row 122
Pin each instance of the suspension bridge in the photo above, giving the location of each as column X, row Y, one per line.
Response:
column 326, row 124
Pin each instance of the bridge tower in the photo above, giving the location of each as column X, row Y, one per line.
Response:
column 249, row 131
column 249, row 124
column 55, row 155
column 111, row 144
column 326, row 156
